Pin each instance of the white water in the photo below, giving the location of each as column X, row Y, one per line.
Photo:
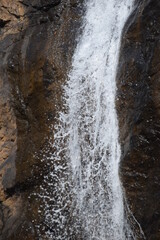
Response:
column 87, row 188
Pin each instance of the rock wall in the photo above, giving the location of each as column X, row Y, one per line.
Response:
column 37, row 39
column 138, row 105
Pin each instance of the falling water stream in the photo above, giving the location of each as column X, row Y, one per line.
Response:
column 88, row 201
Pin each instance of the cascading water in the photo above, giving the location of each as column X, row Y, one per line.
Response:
column 88, row 201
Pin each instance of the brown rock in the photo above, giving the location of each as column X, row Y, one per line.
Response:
column 37, row 39
column 139, row 119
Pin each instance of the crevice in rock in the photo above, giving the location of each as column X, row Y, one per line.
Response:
column 47, row 7
column 20, row 187
column 3, row 23
column 24, row 4
column 11, row 13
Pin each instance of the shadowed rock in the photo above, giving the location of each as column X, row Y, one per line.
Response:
column 138, row 103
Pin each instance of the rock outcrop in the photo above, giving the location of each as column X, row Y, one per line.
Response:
column 138, row 104
column 37, row 39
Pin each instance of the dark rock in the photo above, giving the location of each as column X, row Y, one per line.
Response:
column 37, row 41
column 138, row 103
column 3, row 23
column 44, row 5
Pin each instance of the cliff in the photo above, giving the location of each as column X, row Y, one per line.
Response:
column 37, row 40
column 138, row 102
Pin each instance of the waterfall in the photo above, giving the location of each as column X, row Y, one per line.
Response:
column 88, row 200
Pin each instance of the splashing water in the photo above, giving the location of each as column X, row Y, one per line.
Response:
column 88, row 201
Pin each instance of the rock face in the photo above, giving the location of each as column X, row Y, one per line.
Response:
column 37, row 39
column 138, row 105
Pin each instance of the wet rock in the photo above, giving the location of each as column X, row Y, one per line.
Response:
column 139, row 115
column 37, row 40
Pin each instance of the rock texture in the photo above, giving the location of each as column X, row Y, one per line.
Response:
column 37, row 39
column 138, row 104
